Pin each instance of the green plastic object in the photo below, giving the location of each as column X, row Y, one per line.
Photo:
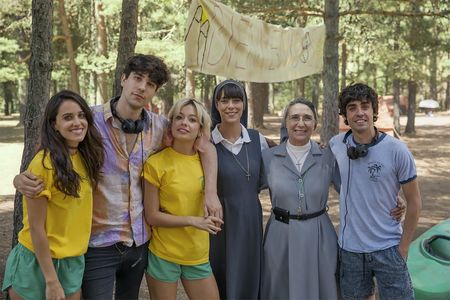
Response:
column 429, row 263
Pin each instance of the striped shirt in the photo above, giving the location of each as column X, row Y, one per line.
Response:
column 118, row 214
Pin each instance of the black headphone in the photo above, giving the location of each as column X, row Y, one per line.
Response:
column 361, row 150
column 128, row 125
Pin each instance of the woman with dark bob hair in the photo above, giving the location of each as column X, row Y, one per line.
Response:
column 48, row 261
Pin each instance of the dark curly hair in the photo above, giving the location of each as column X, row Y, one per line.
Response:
column 148, row 64
column 357, row 92
column 53, row 144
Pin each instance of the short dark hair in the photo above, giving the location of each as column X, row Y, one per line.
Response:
column 230, row 90
column 148, row 64
column 300, row 100
column 357, row 92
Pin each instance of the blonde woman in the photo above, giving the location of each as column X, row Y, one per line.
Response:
column 174, row 187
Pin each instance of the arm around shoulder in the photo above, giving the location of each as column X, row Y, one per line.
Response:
column 209, row 165
column 414, row 205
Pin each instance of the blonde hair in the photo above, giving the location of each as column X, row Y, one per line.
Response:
column 202, row 115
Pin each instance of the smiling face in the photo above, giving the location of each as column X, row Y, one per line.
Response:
column 230, row 109
column 71, row 123
column 185, row 125
column 360, row 116
column 138, row 89
column 300, row 123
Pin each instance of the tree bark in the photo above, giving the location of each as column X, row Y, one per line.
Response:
column 447, row 95
column 74, row 83
column 102, row 50
column 207, row 91
column 433, row 75
column 316, row 90
column 396, row 116
column 127, row 39
column 40, row 69
column 343, row 64
column 257, row 92
column 330, row 123
column 8, row 93
column 166, row 93
column 412, row 92
column 190, row 84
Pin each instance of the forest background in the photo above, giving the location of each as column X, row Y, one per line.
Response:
column 399, row 47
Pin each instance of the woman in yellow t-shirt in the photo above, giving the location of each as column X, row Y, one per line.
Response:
column 48, row 261
column 174, row 182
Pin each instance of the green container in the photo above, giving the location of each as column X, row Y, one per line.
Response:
column 429, row 263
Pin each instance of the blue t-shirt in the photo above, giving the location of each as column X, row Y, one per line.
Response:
column 369, row 189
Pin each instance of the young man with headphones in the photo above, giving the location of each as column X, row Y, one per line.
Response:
column 117, row 254
column 373, row 167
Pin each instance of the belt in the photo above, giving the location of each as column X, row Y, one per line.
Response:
column 284, row 216
column 308, row 216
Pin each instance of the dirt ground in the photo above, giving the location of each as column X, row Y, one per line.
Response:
column 430, row 147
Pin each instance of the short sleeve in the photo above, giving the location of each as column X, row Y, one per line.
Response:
column 406, row 166
column 151, row 172
column 43, row 170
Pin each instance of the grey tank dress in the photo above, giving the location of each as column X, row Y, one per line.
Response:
column 235, row 253
column 300, row 258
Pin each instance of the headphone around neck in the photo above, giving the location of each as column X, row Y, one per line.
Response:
column 361, row 150
column 128, row 125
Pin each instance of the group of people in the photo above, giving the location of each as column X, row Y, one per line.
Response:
column 115, row 192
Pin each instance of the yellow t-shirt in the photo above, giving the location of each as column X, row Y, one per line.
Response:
column 180, row 181
column 69, row 219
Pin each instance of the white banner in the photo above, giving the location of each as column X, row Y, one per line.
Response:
column 219, row 41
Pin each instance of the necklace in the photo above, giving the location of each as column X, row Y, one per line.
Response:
column 246, row 172
column 298, row 164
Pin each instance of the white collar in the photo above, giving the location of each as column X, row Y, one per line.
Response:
column 218, row 138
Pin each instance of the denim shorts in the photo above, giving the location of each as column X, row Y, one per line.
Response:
column 387, row 266
column 167, row 271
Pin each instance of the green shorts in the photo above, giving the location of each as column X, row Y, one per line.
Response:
column 23, row 274
column 167, row 271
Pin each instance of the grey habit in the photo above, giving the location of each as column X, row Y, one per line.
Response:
column 300, row 258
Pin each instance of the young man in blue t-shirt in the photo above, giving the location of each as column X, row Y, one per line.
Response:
column 373, row 167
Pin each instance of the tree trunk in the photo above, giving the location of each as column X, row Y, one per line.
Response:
column 386, row 85
column 412, row 92
column 300, row 88
column 166, row 93
column 271, row 99
column 8, row 93
column 23, row 89
column 396, row 87
column 40, row 69
column 190, row 84
column 102, row 50
column 396, row 116
column 316, row 90
column 258, row 93
column 249, row 90
column 74, row 82
column 207, row 91
column 447, row 95
column 433, row 74
column 343, row 64
column 127, row 39
column 330, row 122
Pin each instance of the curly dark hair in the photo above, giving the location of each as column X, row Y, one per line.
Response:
column 148, row 64
column 357, row 92
column 91, row 148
